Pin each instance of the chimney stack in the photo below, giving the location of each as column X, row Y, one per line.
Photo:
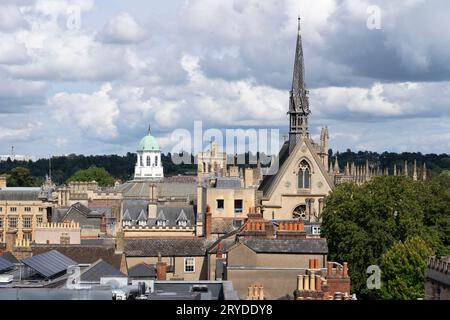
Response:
column 345, row 269
column 161, row 269
column 103, row 224
column 10, row 240
column 329, row 269
column 208, row 223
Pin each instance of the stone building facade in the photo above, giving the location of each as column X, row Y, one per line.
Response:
column 437, row 279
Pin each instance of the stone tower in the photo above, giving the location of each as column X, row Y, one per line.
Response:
column 299, row 100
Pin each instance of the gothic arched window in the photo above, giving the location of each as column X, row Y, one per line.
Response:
column 149, row 161
column 304, row 175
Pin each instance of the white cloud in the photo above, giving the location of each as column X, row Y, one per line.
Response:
column 122, row 29
column 94, row 115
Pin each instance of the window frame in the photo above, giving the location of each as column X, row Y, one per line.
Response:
column 27, row 218
column 186, row 259
column 242, row 206
column 304, row 176
column 223, row 204
column 13, row 218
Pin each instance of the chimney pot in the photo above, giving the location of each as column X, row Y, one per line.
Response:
column 311, row 264
column 306, row 282
column 338, row 270
column 329, row 269
column 318, row 283
column 345, row 269
column 312, row 279
column 300, row 282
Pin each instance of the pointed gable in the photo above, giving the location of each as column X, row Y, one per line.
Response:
column 126, row 216
column 161, row 216
column 142, row 216
column 182, row 216
column 303, row 150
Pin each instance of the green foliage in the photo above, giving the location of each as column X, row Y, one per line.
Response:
column 361, row 223
column 403, row 270
column 93, row 173
column 20, row 177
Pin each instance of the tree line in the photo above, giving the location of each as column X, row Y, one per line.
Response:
column 122, row 167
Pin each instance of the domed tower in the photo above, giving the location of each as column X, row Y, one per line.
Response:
column 148, row 166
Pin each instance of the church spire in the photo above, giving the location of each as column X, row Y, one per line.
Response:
column 299, row 100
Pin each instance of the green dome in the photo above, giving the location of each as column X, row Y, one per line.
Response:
column 148, row 143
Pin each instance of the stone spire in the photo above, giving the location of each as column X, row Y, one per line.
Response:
column 367, row 170
column 336, row 166
column 405, row 170
column 330, row 170
column 424, row 173
column 395, row 170
column 299, row 100
column 347, row 169
column 353, row 172
column 415, row 171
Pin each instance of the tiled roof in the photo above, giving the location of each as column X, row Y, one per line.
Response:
column 166, row 247
column 142, row 270
column 317, row 246
column 98, row 270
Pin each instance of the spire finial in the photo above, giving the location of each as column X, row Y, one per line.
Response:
column 149, row 132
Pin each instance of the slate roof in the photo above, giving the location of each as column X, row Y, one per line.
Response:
column 5, row 264
column 269, row 179
column 137, row 210
column 222, row 226
column 142, row 270
column 98, row 270
column 79, row 213
column 179, row 187
column 228, row 183
column 10, row 257
column 19, row 194
column 83, row 254
column 318, row 246
column 166, row 247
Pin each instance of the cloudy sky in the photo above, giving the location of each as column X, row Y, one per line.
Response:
column 92, row 85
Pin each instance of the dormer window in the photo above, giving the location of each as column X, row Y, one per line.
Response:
column 161, row 223
column 142, row 223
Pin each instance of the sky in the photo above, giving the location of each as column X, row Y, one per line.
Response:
column 90, row 76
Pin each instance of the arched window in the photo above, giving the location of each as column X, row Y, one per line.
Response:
column 141, row 160
column 299, row 212
column 156, row 161
column 304, row 175
column 149, row 161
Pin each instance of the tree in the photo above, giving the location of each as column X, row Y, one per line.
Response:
column 403, row 270
column 361, row 223
column 100, row 175
column 20, row 177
